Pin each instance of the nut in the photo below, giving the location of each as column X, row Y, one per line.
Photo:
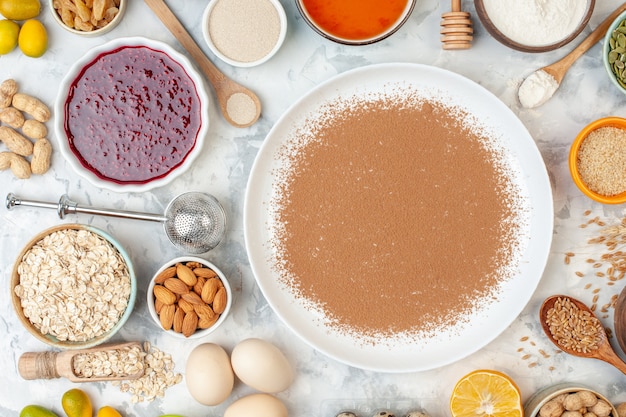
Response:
column 219, row 303
column 176, row 286
column 165, row 274
column 167, row 316
column 190, row 323
column 204, row 272
column 164, row 295
column 193, row 298
column 12, row 117
column 209, row 289
column 42, row 152
column 20, row 167
column 185, row 274
column 15, row 141
column 179, row 316
column 8, row 88
column 34, row 129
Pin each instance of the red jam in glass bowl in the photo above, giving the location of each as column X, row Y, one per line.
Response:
column 132, row 115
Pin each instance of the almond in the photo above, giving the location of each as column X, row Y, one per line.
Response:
column 204, row 272
column 176, row 286
column 165, row 274
column 192, row 297
column 203, row 310
column 185, row 274
column 164, row 295
column 219, row 302
column 205, row 323
column 193, row 265
column 158, row 305
column 190, row 324
column 185, row 305
column 179, row 316
column 199, row 285
column 167, row 316
column 209, row 290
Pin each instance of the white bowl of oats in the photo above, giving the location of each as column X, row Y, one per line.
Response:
column 73, row 286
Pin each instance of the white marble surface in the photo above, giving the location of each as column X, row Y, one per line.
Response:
column 322, row 384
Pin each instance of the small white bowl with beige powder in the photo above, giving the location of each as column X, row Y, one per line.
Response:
column 244, row 33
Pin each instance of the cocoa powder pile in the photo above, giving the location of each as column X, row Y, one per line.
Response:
column 394, row 215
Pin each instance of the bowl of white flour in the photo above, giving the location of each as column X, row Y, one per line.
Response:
column 534, row 25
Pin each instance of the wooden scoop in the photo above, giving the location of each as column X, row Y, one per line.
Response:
column 559, row 68
column 240, row 106
column 456, row 28
column 604, row 352
column 50, row 364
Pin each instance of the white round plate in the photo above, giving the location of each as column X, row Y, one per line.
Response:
column 528, row 169
column 76, row 70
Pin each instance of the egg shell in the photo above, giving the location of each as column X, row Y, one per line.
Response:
column 257, row 405
column 261, row 365
column 208, row 374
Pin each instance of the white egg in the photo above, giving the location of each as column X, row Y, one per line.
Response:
column 257, row 405
column 261, row 365
column 208, row 374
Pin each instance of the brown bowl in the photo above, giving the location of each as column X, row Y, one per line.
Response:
column 503, row 39
column 48, row 337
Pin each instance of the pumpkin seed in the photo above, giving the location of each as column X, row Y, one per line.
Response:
column 617, row 53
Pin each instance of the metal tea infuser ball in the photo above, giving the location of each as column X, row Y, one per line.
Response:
column 194, row 222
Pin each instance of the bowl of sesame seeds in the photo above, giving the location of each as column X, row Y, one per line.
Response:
column 596, row 160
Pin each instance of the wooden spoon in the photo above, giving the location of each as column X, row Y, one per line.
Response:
column 240, row 106
column 604, row 351
column 619, row 319
column 558, row 69
column 456, row 28
column 51, row 364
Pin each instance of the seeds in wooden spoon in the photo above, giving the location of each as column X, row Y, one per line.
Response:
column 572, row 328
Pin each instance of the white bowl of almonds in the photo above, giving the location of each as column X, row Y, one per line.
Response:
column 88, row 17
column 189, row 297
column 567, row 399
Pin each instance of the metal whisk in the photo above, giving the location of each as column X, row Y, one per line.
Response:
column 194, row 222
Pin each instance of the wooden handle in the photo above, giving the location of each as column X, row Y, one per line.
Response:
column 168, row 18
column 559, row 68
column 224, row 87
column 456, row 6
column 38, row 365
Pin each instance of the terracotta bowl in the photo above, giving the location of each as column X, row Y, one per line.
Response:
column 573, row 160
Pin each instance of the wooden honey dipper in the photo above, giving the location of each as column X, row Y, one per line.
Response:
column 456, row 28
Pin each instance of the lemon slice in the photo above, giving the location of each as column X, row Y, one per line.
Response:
column 486, row 393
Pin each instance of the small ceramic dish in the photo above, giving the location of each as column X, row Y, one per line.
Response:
column 148, row 130
column 498, row 31
column 244, row 34
column 610, row 62
column 201, row 290
column 63, row 280
column 617, row 122
column 108, row 21
column 362, row 30
column 544, row 396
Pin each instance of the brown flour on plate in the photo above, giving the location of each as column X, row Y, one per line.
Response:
column 394, row 215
